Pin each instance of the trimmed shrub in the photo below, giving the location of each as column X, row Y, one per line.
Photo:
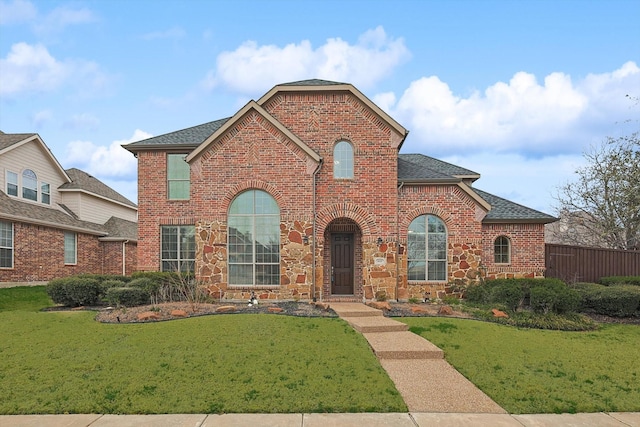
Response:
column 510, row 294
column 127, row 297
column 75, row 291
column 620, row 280
column 615, row 301
column 554, row 298
column 477, row 294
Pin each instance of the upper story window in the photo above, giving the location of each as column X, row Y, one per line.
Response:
column 6, row 244
column 28, row 180
column 427, row 249
column 254, row 240
column 343, row 160
column 502, row 250
column 12, row 183
column 29, row 185
column 178, row 177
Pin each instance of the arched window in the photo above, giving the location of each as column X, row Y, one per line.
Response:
column 254, row 240
column 427, row 249
column 502, row 250
column 29, row 185
column 343, row 160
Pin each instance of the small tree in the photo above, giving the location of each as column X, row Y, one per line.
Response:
column 602, row 207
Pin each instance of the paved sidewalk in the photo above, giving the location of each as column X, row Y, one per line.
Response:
column 411, row 419
column 426, row 382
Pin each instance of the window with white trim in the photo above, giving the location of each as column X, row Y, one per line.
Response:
column 45, row 193
column 12, row 183
column 178, row 248
column 427, row 249
column 254, row 240
column 343, row 160
column 6, row 244
column 70, row 248
column 29, row 185
column 178, row 177
column 502, row 250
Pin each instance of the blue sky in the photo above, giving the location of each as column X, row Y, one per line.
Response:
column 514, row 90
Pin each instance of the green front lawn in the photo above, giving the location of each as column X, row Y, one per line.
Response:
column 57, row 362
column 540, row 371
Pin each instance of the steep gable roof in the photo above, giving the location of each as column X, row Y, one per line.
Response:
column 252, row 105
column 503, row 210
column 82, row 181
column 316, row 85
column 11, row 141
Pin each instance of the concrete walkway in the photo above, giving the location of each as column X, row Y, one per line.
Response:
column 412, row 419
column 426, row 382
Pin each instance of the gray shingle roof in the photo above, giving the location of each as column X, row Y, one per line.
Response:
column 121, row 228
column 418, row 167
column 187, row 138
column 8, row 139
column 81, row 180
column 504, row 210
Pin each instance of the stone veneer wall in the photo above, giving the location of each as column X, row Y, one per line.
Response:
column 296, row 263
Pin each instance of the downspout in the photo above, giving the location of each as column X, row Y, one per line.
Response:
column 124, row 257
column 398, row 241
column 313, row 244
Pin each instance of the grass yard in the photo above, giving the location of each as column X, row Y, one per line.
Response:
column 538, row 371
column 59, row 362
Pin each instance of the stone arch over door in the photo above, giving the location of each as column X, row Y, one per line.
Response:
column 342, row 259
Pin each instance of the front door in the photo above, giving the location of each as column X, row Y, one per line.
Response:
column 342, row 250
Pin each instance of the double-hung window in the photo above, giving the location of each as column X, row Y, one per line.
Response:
column 6, row 244
column 254, row 240
column 12, row 183
column 427, row 249
column 29, row 185
column 178, row 177
column 178, row 248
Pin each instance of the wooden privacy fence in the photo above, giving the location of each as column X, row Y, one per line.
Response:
column 580, row 264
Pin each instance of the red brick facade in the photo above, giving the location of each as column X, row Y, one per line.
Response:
column 38, row 255
column 374, row 207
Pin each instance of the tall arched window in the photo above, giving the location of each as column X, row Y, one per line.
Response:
column 254, row 240
column 29, row 185
column 427, row 249
column 343, row 160
column 502, row 250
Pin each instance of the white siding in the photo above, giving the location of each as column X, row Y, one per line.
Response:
column 97, row 210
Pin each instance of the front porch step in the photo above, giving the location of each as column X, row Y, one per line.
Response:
column 370, row 324
column 402, row 345
column 349, row 309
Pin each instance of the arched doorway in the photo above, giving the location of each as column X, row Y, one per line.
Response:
column 343, row 258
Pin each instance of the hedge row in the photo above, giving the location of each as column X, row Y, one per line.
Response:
column 620, row 280
column 615, row 300
column 141, row 288
column 541, row 295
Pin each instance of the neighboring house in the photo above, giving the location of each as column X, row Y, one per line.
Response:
column 303, row 194
column 56, row 222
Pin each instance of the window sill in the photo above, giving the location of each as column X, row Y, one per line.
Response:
column 252, row 287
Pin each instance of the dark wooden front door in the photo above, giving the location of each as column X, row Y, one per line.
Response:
column 342, row 250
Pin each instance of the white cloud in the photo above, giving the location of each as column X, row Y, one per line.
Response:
column 40, row 118
column 253, row 68
column 16, row 12
column 522, row 114
column 31, row 68
column 105, row 161
column 61, row 17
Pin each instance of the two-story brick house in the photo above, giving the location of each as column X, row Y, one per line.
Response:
column 56, row 222
column 303, row 194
